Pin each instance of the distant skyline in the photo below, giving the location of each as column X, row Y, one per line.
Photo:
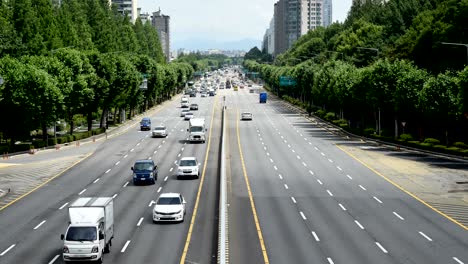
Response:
column 211, row 23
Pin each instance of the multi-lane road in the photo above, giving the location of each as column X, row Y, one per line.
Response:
column 294, row 196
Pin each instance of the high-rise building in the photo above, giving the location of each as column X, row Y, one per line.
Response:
column 144, row 17
column 128, row 7
column 161, row 23
column 327, row 13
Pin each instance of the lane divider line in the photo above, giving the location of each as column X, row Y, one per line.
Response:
column 54, row 259
column 6, row 250
column 125, row 246
column 139, row 222
column 315, row 236
column 39, row 225
column 61, row 207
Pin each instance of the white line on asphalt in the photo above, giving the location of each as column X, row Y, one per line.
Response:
column 310, row 143
column 154, row 152
column 315, row 236
column 159, row 146
column 63, row 206
column 268, row 153
column 126, row 155
column 303, row 216
column 321, row 153
column 54, row 259
column 303, row 163
column 178, row 155
column 311, row 172
column 381, row 248
column 185, row 143
column 457, row 260
column 151, row 203
column 280, row 176
column 96, row 180
column 164, row 141
column 298, row 157
column 107, row 171
column 125, row 246
column 338, row 167
column 359, row 224
column 39, row 225
column 159, row 189
column 146, row 136
column 264, row 148
column 377, row 199
column 276, row 168
column 261, row 139
column 286, row 186
column 330, row 160
column 175, row 161
column 330, row 261
column 425, row 236
column 8, row 249
column 399, row 216
column 132, row 150
column 285, row 141
column 289, row 146
column 138, row 144
column 115, row 195
column 165, row 179
column 171, row 169
column 342, row 207
column 347, row 175
column 320, row 182
column 125, row 185
column 139, row 222
column 182, row 149
column 294, row 200
column 316, row 148
column 117, row 163
column 362, row 187
column 271, row 160
column 330, row 193
column 84, row 190
column 281, row 136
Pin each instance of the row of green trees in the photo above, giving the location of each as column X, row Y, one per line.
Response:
column 203, row 63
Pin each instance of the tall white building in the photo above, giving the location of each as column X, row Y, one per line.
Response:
column 162, row 24
column 128, row 7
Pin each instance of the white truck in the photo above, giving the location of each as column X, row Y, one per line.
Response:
column 197, row 130
column 184, row 102
column 90, row 230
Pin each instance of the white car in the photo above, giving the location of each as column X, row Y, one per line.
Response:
column 204, row 94
column 246, row 116
column 188, row 115
column 169, row 207
column 184, row 111
column 159, row 131
column 188, row 167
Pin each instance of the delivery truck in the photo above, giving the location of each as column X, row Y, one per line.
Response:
column 263, row 97
column 90, row 230
column 197, row 130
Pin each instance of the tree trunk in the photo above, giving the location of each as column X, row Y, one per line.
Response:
column 89, row 120
column 104, row 114
column 44, row 133
column 72, row 125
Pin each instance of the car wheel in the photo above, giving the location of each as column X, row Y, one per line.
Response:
column 153, row 181
column 197, row 176
column 101, row 260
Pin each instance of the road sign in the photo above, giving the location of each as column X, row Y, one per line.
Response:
column 287, row 81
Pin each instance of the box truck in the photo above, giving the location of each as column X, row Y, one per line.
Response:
column 90, row 230
column 197, row 130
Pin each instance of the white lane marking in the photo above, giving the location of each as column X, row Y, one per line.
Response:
column 298, row 157
column 126, row 155
column 347, row 175
column 457, row 260
column 377, row 199
column 107, row 171
column 178, row 155
column 310, row 143
column 96, row 180
column 289, row 146
column 276, row 168
column 293, row 151
column 151, row 203
column 330, row 261
column 381, row 248
column 185, row 143
column 281, row 136
column 399, row 216
column 362, row 187
column 303, row 216
column 138, row 144
column 286, row 141
column 303, row 163
column 330, row 193
column 268, row 153
column 125, row 246
column 154, row 152
column 261, row 139
column 280, row 176
column 321, row 153
column 286, row 186
column 63, row 206
column 342, row 207
column 264, row 148
column 115, row 195
column 165, row 179
column 301, row 135
column 311, row 172
column 359, row 224
column 271, row 160
column 330, row 160
column 159, row 189
column 315, row 236
column 132, row 150
column 182, row 149
column 305, row 139
column 54, row 259
column 425, row 236
column 171, row 169
column 139, row 222
column 294, row 200
column 320, row 182
column 316, row 148
column 159, row 146
column 146, row 136
column 338, row 167
column 125, row 185
column 8, row 249
column 263, row 143
column 80, row 193
column 175, row 161
column 164, row 141
column 39, row 225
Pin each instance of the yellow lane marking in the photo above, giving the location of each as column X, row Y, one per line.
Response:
column 44, row 183
column 5, row 165
column 252, row 203
column 200, row 187
column 404, row 190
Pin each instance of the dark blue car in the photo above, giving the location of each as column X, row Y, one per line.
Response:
column 145, row 123
column 145, row 171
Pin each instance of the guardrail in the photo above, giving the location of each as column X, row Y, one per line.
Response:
column 223, row 256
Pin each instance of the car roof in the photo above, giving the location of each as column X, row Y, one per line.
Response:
column 160, row 127
column 145, row 118
column 188, row 158
column 168, row 195
column 145, row 161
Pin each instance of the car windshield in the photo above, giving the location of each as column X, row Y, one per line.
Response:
column 143, row 166
column 168, row 200
column 81, row 233
column 196, row 129
column 188, row 163
column 160, row 128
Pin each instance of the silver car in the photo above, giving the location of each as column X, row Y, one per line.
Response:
column 246, row 116
column 188, row 116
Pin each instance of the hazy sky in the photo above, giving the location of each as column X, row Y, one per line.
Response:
column 223, row 20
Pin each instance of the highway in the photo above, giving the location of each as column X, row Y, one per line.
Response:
column 294, row 196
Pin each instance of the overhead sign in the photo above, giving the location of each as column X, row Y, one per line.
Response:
column 287, row 81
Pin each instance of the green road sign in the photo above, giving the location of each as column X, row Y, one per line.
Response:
column 287, row 81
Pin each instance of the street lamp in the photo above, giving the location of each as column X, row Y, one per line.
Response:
column 458, row 44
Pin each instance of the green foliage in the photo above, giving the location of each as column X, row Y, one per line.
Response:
column 369, row 131
column 406, row 137
column 431, row 141
column 461, row 145
column 330, row 116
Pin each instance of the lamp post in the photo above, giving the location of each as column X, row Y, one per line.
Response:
column 458, row 44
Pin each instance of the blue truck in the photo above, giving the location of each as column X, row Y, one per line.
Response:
column 263, row 97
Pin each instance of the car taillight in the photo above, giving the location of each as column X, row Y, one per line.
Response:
column 95, row 249
column 65, row 249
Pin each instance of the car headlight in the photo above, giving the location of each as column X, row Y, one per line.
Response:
column 179, row 170
column 95, row 249
column 65, row 249
column 151, row 174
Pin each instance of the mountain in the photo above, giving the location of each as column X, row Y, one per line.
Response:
column 206, row 44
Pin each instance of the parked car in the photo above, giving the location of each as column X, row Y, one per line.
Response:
column 160, row 131
column 169, row 207
column 188, row 167
column 144, row 171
